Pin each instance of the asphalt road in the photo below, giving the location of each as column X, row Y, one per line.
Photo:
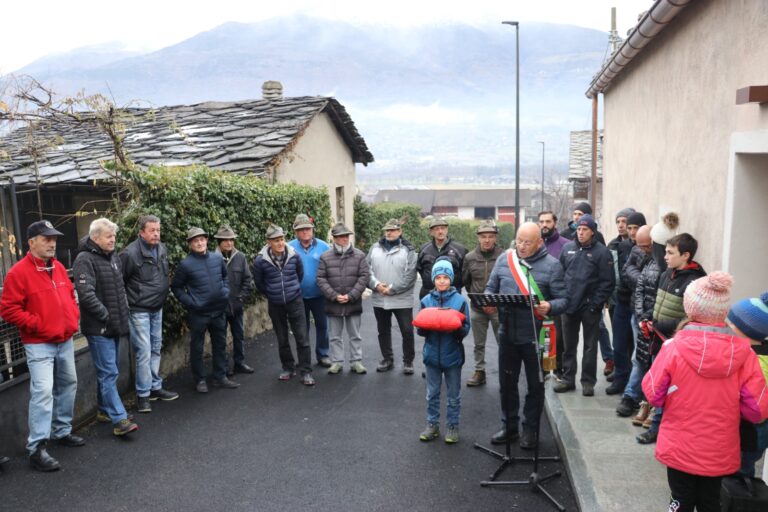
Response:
column 349, row 443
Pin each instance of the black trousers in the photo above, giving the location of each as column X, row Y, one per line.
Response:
column 511, row 356
column 281, row 315
column 693, row 492
column 572, row 324
column 404, row 319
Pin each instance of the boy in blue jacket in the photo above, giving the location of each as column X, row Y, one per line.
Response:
column 444, row 355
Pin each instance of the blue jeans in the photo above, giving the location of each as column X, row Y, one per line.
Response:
column 316, row 306
column 216, row 325
column 453, row 386
column 623, row 342
column 656, row 421
column 104, row 354
column 634, row 387
column 749, row 459
column 606, row 351
column 238, row 337
column 52, row 389
column 147, row 339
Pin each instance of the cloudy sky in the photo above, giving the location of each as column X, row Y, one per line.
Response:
column 28, row 33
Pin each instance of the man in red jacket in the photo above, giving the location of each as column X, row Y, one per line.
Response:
column 39, row 299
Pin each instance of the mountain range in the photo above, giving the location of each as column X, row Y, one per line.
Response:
column 429, row 99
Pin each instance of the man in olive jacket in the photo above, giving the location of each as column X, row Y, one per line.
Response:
column 342, row 276
column 240, row 288
column 476, row 269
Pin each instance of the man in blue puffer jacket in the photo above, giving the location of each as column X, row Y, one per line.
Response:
column 277, row 273
column 200, row 284
column 444, row 354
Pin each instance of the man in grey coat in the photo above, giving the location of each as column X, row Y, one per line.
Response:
column 393, row 276
column 240, row 288
column 342, row 276
column 517, row 330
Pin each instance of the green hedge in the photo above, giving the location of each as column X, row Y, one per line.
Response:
column 205, row 198
column 370, row 218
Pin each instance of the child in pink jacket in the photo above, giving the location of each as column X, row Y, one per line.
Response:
column 706, row 379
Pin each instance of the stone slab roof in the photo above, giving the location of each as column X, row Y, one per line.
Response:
column 580, row 156
column 244, row 137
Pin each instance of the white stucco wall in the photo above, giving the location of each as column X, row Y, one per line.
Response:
column 670, row 116
column 322, row 158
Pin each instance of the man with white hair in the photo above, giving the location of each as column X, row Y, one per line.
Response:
column 38, row 298
column 103, row 315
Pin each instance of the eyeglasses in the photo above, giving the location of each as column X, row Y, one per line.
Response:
column 44, row 269
column 524, row 243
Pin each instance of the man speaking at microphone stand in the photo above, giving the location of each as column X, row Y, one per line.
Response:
column 517, row 331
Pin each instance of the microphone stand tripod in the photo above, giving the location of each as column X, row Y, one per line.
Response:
column 535, row 480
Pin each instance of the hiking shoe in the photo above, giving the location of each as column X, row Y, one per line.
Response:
column 615, row 388
column 609, row 367
column 307, row 379
column 124, row 427
column 143, row 405
column 408, row 368
column 477, row 379
column 103, row 417
column 562, row 387
column 201, row 387
column 648, row 421
column 587, row 390
column 642, row 414
column 335, row 368
column 626, row 407
column 163, row 394
column 286, row 375
column 528, row 440
column 431, row 432
column 500, row 437
column 452, row 436
column 357, row 367
column 647, row 437
column 385, row 365
column 225, row 383
column 325, row 362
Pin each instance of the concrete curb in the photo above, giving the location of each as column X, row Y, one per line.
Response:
column 570, row 450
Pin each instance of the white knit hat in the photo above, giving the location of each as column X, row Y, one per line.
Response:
column 665, row 229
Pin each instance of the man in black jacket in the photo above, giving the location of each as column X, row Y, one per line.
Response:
column 240, row 288
column 145, row 273
column 579, row 210
column 103, row 315
column 200, row 284
column 589, row 279
column 441, row 245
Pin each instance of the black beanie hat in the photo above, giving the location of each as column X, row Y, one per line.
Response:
column 584, row 208
column 636, row 219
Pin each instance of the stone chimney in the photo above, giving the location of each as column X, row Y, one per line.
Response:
column 272, row 90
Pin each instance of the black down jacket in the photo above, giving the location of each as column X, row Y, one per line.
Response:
column 643, row 301
column 146, row 276
column 429, row 253
column 100, row 291
column 343, row 273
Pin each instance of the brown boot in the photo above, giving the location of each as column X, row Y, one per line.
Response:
column 477, row 379
column 649, row 419
column 642, row 414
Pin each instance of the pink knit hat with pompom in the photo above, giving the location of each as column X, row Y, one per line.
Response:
column 707, row 299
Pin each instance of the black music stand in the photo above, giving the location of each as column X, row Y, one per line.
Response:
column 535, row 480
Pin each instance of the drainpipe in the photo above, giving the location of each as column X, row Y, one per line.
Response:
column 593, row 174
column 649, row 26
column 16, row 224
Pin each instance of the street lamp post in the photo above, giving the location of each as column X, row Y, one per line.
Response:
column 542, row 175
column 517, row 120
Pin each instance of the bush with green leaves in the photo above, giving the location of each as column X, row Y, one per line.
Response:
column 370, row 218
column 205, row 198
